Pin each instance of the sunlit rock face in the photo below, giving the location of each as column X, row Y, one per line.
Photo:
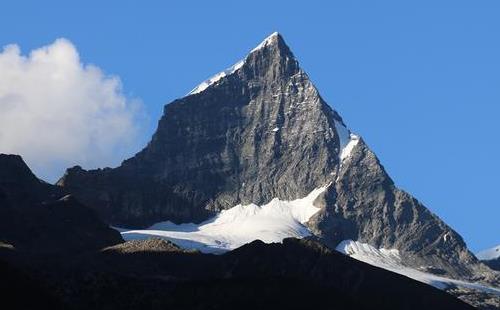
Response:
column 260, row 131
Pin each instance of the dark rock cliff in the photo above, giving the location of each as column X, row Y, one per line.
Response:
column 40, row 218
column 298, row 274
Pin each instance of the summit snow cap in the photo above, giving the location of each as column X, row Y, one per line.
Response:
column 273, row 38
column 270, row 40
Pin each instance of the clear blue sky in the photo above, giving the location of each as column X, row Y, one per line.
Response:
column 419, row 81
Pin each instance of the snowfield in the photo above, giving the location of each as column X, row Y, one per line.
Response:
column 390, row 259
column 237, row 226
column 274, row 222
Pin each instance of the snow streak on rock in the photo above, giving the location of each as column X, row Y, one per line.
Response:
column 347, row 139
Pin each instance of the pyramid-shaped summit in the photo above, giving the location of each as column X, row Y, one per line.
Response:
column 274, row 45
column 259, row 131
column 252, row 133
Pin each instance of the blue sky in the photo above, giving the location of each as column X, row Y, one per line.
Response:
column 419, row 81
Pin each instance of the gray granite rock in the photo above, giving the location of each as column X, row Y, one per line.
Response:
column 364, row 204
column 259, row 132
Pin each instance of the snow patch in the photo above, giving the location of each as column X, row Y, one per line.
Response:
column 346, row 151
column 446, row 236
column 232, row 228
column 390, row 259
column 347, row 140
column 366, row 251
column 275, row 129
column 489, row 254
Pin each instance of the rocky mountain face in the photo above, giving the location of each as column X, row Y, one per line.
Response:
column 258, row 133
column 261, row 130
column 40, row 218
column 364, row 204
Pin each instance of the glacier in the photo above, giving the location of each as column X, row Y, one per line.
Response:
column 232, row 228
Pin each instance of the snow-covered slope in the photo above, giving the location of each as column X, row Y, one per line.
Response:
column 239, row 225
column 489, row 254
column 390, row 259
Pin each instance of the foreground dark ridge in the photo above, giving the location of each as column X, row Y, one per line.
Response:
column 39, row 217
column 297, row 274
column 50, row 257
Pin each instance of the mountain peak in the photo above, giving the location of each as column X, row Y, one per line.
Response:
column 260, row 131
column 274, row 38
column 273, row 42
column 276, row 44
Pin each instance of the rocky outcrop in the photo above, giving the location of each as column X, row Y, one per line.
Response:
column 149, row 245
column 364, row 204
column 478, row 299
column 41, row 219
column 258, row 131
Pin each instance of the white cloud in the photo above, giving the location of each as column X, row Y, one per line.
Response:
column 57, row 112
